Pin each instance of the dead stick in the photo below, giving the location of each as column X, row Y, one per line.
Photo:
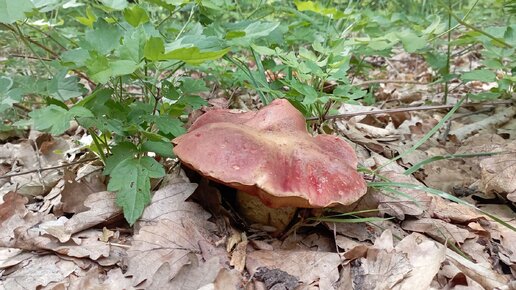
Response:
column 392, row 82
column 47, row 168
column 397, row 110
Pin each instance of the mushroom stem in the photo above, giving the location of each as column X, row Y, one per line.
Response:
column 255, row 212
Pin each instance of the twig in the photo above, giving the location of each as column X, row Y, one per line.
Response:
column 397, row 110
column 118, row 245
column 38, row 170
column 48, row 50
column 391, row 81
column 31, row 57
column 47, row 168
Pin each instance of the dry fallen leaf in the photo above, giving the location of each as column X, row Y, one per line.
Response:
column 101, row 207
column 366, row 231
column 171, row 229
column 499, row 171
column 425, row 257
column 439, row 230
column 403, row 201
column 164, row 242
column 480, row 274
column 39, row 271
column 309, row 267
column 238, row 256
column 96, row 278
column 453, row 212
column 502, row 116
column 23, row 157
column 76, row 190
column 192, row 276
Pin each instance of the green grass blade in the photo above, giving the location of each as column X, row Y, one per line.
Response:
column 418, row 165
column 352, row 220
column 440, row 194
column 427, row 135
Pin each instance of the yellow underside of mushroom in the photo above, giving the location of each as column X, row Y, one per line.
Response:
column 255, row 212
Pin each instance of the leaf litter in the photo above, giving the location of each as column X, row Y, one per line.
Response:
column 61, row 228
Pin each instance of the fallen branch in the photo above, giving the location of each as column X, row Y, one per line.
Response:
column 397, row 110
column 47, row 168
column 392, row 82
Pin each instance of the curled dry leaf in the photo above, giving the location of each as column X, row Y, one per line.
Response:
column 480, row 274
column 439, row 230
column 11, row 256
column 498, row 172
column 412, row 264
column 23, row 157
column 502, row 116
column 309, row 267
column 453, row 212
column 402, row 201
column 76, row 190
column 16, row 221
column 101, row 207
column 366, row 231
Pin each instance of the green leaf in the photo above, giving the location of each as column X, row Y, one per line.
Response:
column 318, row 8
column 136, row 15
column 309, row 93
column 263, row 50
column 78, row 56
column 104, row 38
column 5, row 85
column 133, row 45
column 162, row 148
column 123, row 67
column 245, row 32
column 55, row 119
column 193, row 55
column 411, row 42
column 120, row 152
column 115, row 4
column 379, row 44
column 436, row 60
column 479, row 75
column 89, row 19
column 8, row 95
column 190, row 86
column 154, row 48
column 102, row 69
column 14, row 10
column 169, row 125
column 131, row 180
column 163, row 3
column 195, row 102
column 484, row 96
column 64, row 88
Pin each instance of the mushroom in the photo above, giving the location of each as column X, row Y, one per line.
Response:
column 269, row 155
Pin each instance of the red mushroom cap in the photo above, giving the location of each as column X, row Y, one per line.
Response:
column 270, row 154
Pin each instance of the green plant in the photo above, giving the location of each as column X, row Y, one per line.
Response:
column 129, row 72
column 121, row 71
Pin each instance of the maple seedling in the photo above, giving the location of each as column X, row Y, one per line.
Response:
column 269, row 154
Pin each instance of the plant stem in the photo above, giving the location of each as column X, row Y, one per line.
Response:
column 448, row 54
column 100, row 148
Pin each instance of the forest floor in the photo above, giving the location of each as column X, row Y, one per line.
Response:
column 61, row 228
